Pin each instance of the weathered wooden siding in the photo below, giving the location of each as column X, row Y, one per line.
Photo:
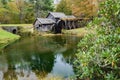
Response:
column 51, row 17
column 47, row 27
column 37, row 24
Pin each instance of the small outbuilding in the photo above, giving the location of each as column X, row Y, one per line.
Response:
column 43, row 24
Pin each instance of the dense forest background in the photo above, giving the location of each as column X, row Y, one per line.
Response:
column 25, row 11
column 79, row 8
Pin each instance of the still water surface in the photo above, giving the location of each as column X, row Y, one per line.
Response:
column 39, row 57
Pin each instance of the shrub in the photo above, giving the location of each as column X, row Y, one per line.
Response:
column 98, row 56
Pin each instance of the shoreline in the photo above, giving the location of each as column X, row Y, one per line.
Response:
column 8, row 38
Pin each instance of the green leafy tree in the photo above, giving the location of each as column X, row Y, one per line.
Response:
column 23, row 11
column 20, row 5
column 64, row 7
column 42, row 7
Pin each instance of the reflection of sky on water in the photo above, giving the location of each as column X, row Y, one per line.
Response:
column 3, row 66
column 62, row 68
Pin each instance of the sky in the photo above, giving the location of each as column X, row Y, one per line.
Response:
column 56, row 1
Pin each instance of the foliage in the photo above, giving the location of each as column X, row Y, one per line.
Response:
column 79, row 8
column 23, row 11
column 85, row 8
column 111, row 11
column 63, row 6
column 42, row 6
column 98, row 56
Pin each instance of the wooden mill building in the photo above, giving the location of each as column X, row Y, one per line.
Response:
column 56, row 21
column 69, row 21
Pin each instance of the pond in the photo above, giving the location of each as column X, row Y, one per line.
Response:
column 34, row 58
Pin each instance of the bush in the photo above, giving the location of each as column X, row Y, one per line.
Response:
column 98, row 56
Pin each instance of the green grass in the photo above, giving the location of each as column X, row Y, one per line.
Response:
column 78, row 31
column 22, row 25
column 6, row 38
column 24, row 29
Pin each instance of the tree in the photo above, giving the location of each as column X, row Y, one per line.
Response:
column 42, row 7
column 4, row 17
column 20, row 5
column 13, row 12
column 84, row 8
column 79, row 8
column 29, row 16
column 63, row 6
column 23, row 11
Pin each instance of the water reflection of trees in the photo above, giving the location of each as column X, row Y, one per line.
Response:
column 65, row 39
column 36, row 54
column 10, row 75
column 61, row 40
column 69, row 56
column 40, row 64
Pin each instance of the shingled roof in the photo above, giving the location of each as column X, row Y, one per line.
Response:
column 69, row 17
column 45, row 21
column 57, row 14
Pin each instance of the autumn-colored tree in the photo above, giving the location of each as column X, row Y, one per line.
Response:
column 79, row 8
column 84, row 8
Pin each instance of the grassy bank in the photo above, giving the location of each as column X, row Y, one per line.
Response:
column 22, row 25
column 27, row 29
column 7, row 38
column 24, row 29
column 78, row 31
